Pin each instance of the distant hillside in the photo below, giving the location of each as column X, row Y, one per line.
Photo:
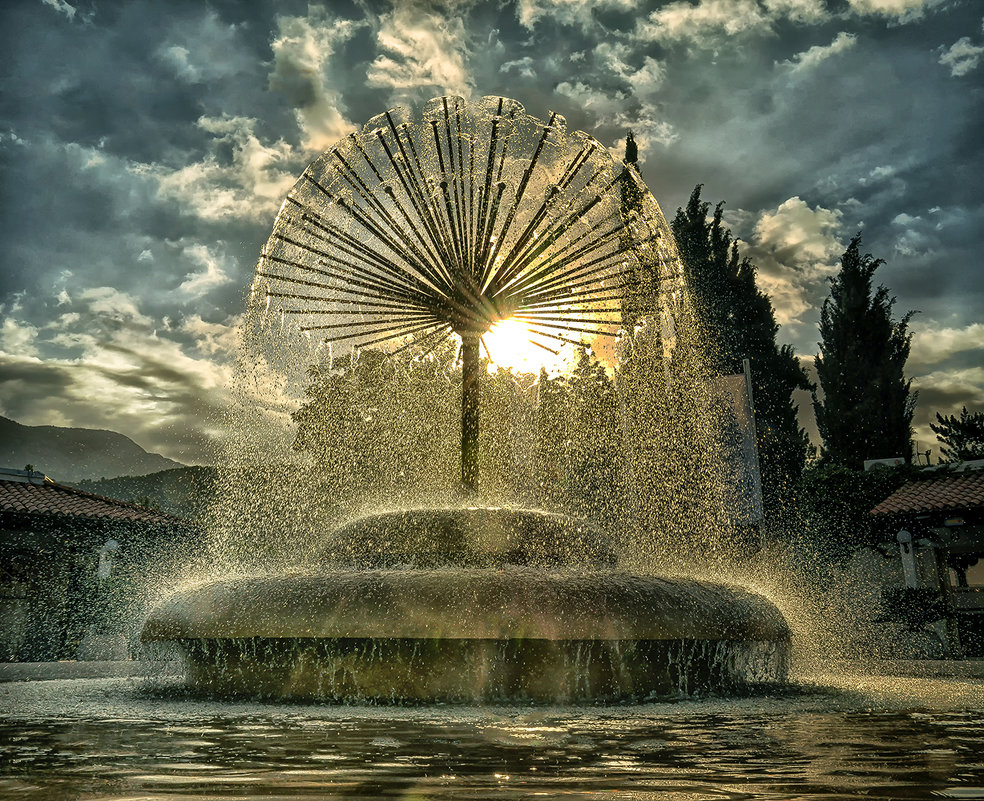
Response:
column 75, row 454
column 184, row 492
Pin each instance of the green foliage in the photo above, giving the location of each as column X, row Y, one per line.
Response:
column 578, row 447
column 829, row 517
column 913, row 608
column 962, row 437
column 382, row 423
column 184, row 492
column 389, row 428
column 867, row 406
column 739, row 322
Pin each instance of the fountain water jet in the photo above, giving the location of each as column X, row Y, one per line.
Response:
column 408, row 233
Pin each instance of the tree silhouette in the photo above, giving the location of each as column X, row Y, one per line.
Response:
column 867, row 404
column 739, row 322
column 962, row 438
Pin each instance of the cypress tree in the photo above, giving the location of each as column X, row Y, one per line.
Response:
column 738, row 322
column 867, row 405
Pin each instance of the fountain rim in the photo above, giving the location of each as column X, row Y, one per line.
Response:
column 466, row 603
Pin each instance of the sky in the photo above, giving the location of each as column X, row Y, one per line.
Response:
column 145, row 148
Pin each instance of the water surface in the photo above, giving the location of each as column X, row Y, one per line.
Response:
column 828, row 738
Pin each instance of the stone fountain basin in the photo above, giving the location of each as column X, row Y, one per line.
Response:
column 462, row 603
column 472, row 605
column 473, row 635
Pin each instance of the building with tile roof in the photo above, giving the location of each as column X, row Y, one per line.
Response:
column 35, row 495
column 937, row 518
column 64, row 554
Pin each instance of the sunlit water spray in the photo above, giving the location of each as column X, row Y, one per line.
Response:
column 404, row 259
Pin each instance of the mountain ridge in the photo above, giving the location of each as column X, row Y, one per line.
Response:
column 68, row 454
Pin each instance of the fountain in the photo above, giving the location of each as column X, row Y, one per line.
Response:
column 416, row 230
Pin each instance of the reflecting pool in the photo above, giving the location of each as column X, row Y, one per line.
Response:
column 830, row 737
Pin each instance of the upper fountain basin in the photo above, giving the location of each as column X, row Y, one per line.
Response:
column 470, row 537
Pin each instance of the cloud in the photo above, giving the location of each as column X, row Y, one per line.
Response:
column 210, row 276
column 61, row 5
column 524, row 66
column 616, row 59
column 240, row 177
column 110, row 304
column 623, row 94
column 709, row 22
column 810, row 59
column 708, row 19
column 566, row 12
column 962, row 57
column 946, row 392
column 916, row 237
column 212, row 339
column 794, row 249
column 423, row 53
column 203, row 49
column 604, row 106
column 934, row 345
column 18, row 337
column 306, row 68
column 113, row 370
column 903, row 10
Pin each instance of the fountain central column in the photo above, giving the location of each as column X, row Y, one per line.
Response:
column 471, row 385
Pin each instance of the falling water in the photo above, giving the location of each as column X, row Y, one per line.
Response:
column 358, row 444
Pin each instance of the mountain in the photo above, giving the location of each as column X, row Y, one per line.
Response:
column 74, row 454
column 184, row 492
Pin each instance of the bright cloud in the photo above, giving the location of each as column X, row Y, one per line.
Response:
column 214, row 338
column 422, row 53
column 305, row 69
column 210, row 275
column 809, row 59
column 795, row 248
column 708, row 21
column 567, row 12
column 935, row 345
column 633, row 105
column 523, row 66
column 110, row 304
column 962, row 57
column 60, row 5
column 251, row 186
column 682, row 20
column 18, row 337
column 945, row 392
column 904, row 10
column 143, row 382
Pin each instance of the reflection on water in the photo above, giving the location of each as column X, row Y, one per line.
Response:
column 114, row 739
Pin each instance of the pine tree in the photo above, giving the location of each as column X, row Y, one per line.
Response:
column 962, row 438
column 739, row 322
column 867, row 405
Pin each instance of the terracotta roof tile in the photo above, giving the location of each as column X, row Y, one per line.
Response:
column 956, row 491
column 49, row 498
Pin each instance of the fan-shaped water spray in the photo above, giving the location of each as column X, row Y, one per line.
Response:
column 417, row 228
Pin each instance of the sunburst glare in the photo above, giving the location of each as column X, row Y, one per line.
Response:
column 511, row 345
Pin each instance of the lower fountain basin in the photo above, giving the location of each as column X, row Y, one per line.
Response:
column 472, row 634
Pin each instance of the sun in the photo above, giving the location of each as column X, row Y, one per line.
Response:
column 510, row 344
